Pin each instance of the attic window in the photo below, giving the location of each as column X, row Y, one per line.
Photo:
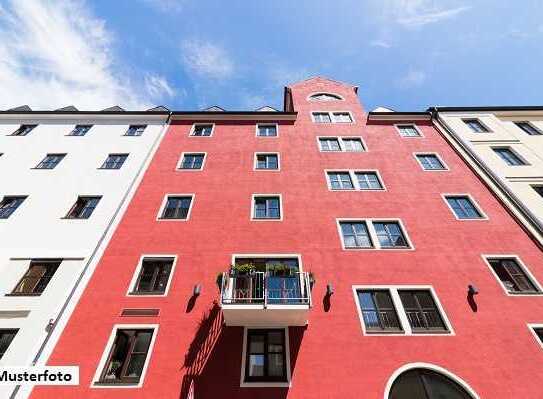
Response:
column 325, row 97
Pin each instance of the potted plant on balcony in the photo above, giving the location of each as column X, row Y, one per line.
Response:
column 242, row 269
column 280, row 270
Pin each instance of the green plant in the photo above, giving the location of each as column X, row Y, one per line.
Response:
column 243, row 268
column 280, row 269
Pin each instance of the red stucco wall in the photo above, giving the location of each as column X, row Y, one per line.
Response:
column 492, row 349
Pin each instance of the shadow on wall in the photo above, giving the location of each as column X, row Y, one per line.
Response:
column 213, row 361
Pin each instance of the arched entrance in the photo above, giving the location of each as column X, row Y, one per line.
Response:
column 427, row 383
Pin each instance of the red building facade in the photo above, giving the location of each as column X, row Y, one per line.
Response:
column 381, row 218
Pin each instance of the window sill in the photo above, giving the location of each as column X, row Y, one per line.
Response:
column 426, row 332
column 25, row 294
column 113, row 384
column 149, row 293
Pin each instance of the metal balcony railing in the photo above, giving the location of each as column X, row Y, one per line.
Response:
column 265, row 288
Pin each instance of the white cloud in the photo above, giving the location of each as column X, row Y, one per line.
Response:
column 380, row 43
column 416, row 13
column 413, row 78
column 158, row 87
column 206, row 59
column 424, row 18
column 54, row 54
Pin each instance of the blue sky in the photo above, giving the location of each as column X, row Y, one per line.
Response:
column 189, row 54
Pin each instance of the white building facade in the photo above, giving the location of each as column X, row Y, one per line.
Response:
column 506, row 144
column 67, row 177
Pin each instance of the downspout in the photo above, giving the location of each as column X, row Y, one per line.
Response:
column 532, row 219
column 51, row 327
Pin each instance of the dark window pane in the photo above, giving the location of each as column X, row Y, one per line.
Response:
column 266, row 355
column 36, row 278
column 430, row 162
column 267, row 130
column 426, row 384
column 192, row 161
column 329, row 144
column 408, row 131
column 83, row 208
column 9, row 205
column 154, row 276
column 509, row 157
column 23, row 130
column 463, row 208
column 266, row 208
column 6, row 336
column 378, row 311
column 390, row 235
column 512, row 276
column 368, row 181
column 421, row 311
column 50, row 161
column 529, row 128
column 80, row 130
column 355, row 235
column 135, row 130
column 321, row 117
column 114, row 161
column 177, row 208
column 476, row 126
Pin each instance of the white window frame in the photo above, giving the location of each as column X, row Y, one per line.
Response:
column 397, row 126
column 256, row 154
column 445, row 166
column 194, row 125
column 473, row 202
column 137, row 271
column 521, row 264
column 354, row 180
column 267, row 195
column 400, row 311
column 265, row 256
column 163, row 206
column 341, row 98
column 267, row 124
column 180, row 162
column 532, row 327
column 95, row 382
column 373, row 234
column 242, row 382
column 331, row 114
column 341, row 143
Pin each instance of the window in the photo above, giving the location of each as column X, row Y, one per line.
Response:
column 372, row 234
column 421, row 311
column 408, row 131
column 267, row 162
column 127, row 357
column 430, row 162
column 340, row 181
column 329, row 144
column 423, row 383
column 266, row 130
column 6, row 336
column 153, row 277
column 266, row 356
column 352, row 144
column 529, row 128
column 267, row 207
column 50, row 161
column 538, row 189
column 193, row 161
column 114, row 161
column 538, row 331
column 135, row 130
column 341, row 144
column 509, row 156
column 463, row 207
column 378, row 311
column 324, row 97
column 401, row 310
column 83, row 208
column 80, row 130
column 9, row 205
column 36, row 277
column 23, row 130
column 390, row 235
column 513, row 277
column 355, row 235
column 177, row 207
column 476, row 126
column 322, row 117
column 342, row 117
column 368, row 181
column 204, row 130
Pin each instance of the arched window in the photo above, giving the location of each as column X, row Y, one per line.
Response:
column 324, row 97
column 421, row 383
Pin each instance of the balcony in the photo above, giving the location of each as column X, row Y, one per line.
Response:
column 260, row 298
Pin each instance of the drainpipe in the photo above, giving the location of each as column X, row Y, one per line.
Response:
column 528, row 215
column 54, row 322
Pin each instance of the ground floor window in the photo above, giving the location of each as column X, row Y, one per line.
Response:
column 266, row 356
